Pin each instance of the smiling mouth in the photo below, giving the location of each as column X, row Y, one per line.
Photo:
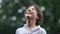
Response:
column 28, row 12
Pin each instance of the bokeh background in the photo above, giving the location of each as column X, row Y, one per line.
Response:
column 12, row 15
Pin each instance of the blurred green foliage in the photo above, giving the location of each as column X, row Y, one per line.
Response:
column 12, row 15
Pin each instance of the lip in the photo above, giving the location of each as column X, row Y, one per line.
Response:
column 28, row 12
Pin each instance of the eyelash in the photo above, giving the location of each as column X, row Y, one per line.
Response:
column 32, row 8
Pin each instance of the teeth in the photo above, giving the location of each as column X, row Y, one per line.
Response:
column 28, row 12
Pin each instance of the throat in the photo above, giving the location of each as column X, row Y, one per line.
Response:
column 31, row 23
column 31, row 26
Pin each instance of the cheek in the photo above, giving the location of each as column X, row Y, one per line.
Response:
column 35, row 15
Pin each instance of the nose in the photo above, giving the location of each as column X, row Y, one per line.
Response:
column 29, row 10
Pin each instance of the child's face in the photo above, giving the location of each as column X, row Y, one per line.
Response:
column 31, row 12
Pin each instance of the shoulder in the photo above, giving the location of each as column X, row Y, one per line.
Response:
column 19, row 29
column 43, row 30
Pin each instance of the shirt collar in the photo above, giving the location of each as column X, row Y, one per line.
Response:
column 33, row 28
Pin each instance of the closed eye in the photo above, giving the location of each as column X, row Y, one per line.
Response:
column 33, row 8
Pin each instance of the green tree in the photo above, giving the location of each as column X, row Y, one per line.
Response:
column 12, row 15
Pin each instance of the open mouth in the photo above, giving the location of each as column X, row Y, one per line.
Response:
column 28, row 12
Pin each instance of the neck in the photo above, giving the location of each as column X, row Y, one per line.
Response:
column 31, row 23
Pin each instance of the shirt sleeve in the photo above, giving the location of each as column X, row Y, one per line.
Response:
column 43, row 31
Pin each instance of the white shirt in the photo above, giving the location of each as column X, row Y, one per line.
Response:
column 24, row 30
